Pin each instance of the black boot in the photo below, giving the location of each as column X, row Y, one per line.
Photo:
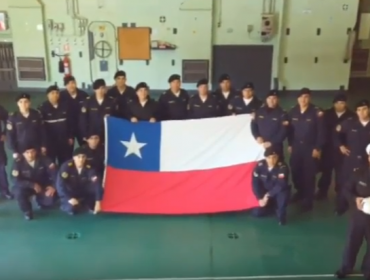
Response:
column 28, row 216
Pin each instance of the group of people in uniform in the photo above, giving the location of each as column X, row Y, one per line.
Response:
column 47, row 167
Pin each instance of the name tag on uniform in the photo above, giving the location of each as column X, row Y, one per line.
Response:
column 274, row 119
column 94, row 109
column 308, row 120
column 294, row 119
column 210, row 106
column 172, row 101
column 354, row 130
column 196, row 106
column 261, row 117
column 362, row 184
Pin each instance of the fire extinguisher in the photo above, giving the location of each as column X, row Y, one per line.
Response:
column 67, row 66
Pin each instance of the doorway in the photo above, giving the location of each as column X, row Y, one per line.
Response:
column 244, row 64
column 8, row 77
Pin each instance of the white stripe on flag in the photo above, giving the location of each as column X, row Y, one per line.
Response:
column 208, row 143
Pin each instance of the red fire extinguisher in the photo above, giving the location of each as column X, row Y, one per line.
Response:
column 67, row 66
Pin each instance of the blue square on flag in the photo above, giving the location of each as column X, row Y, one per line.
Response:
column 133, row 146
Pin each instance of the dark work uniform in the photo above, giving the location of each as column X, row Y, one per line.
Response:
column 274, row 182
column 197, row 109
column 224, row 102
column 331, row 157
column 359, row 225
column 352, row 134
column 23, row 132
column 92, row 115
column 59, row 128
column 95, row 158
column 172, row 107
column 122, row 99
column 306, row 133
column 238, row 106
column 272, row 125
column 142, row 113
column 84, row 186
column 4, row 185
column 74, row 105
column 25, row 177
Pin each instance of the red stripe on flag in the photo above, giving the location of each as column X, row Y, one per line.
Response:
column 191, row 192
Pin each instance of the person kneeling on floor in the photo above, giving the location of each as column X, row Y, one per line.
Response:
column 78, row 185
column 270, row 186
column 34, row 175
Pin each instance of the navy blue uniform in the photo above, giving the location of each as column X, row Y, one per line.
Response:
column 223, row 101
column 59, row 128
column 93, row 113
column 273, row 182
column 84, row 186
column 306, row 133
column 238, row 106
column 172, row 107
column 74, row 104
column 25, row 131
column 359, row 225
column 122, row 99
column 95, row 158
column 198, row 109
column 271, row 124
column 25, row 177
column 331, row 157
column 4, row 185
column 143, row 112
column 352, row 134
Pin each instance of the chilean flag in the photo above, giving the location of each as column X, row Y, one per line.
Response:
column 180, row 167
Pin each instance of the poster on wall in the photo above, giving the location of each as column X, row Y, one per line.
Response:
column 3, row 21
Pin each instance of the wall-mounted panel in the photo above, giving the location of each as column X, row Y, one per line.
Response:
column 134, row 43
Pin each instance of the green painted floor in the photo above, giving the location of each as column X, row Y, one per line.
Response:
column 135, row 246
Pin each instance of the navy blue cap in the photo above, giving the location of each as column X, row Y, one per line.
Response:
column 28, row 146
column 69, row 79
column 202, row 82
column 174, row 77
column 224, row 77
column 272, row 93
column 248, row 85
column 362, row 103
column 79, row 151
column 51, row 88
column 98, row 84
column 22, row 96
column 120, row 73
column 141, row 85
column 304, row 91
column 270, row 151
column 340, row 98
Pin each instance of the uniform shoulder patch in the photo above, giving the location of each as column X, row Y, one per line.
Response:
column 281, row 175
column 9, row 126
column 88, row 166
column 64, row 175
column 88, row 97
column 70, row 164
column 255, row 174
column 230, row 107
column 338, row 128
column 260, row 163
column 52, row 166
column 15, row 173
column 83, row 109
column 320, row 113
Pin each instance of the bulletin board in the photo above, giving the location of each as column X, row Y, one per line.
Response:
column 134, row 43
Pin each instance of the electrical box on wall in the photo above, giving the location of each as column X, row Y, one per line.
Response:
column 267, row 26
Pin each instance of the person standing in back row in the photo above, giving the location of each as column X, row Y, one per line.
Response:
column 225, row 93
column 306, row 138
column 74, row 98
column 58, row 126
column 95, row 108
column 352, row 137
column 4, row 185
column 245, row 104
column 270, row 124
column 203, row 105
column 143, row 108
column 121, row 93
column 25, row 127
column 331, row 158
column 174, row 101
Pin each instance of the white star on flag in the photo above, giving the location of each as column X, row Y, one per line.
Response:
column 133, row 147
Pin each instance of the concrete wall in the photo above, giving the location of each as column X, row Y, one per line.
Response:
column 200, row 25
